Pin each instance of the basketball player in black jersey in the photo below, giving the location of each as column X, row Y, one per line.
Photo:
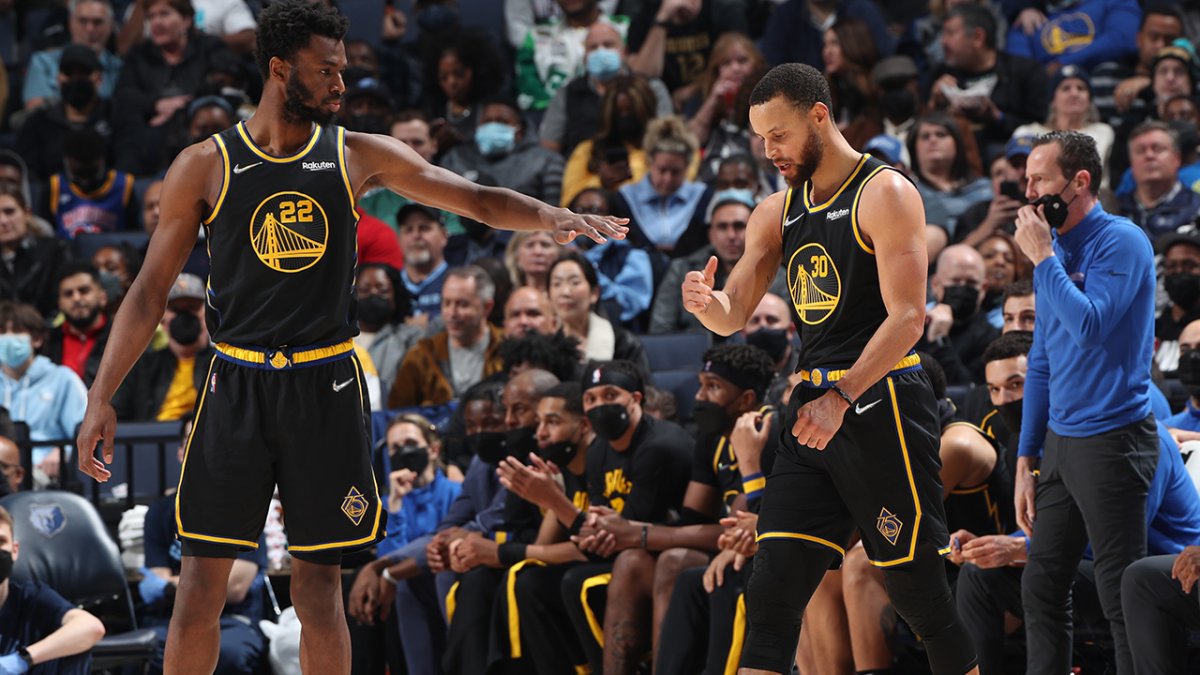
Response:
column 283, row 401
column 862, row 452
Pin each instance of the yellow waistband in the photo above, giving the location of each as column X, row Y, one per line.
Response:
column 819, row 376
column 280, row 358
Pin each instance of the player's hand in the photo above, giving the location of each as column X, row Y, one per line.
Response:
column 1025, row 495
column 956, row 543
column 714, row 575
column 1128, row 90
column 473, row 551
column 1187, row 568
column 1033, row 234
column 938, row 322
column 741, row 533
column 818, row 420
column 994, row 550
column 99, row 424
column 386, row 598
column 152, row 588
column 534, row 484
column 625, row 534
column 364, row 595
column 565, row 225
column 938, row 90
column 697, row 287
column 1001, row 211
column 750, row 435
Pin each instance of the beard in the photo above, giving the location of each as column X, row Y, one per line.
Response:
column 295, row 109
column 83, row 319
column 810, row 159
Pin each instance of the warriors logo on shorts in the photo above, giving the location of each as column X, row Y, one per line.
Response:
column 814, row 284
column 289, row 231
column 354, row 506
column 888, row 525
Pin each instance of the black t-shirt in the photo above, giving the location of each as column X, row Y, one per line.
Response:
column 163, row 549
column 646, row 481
column 715, row 464
column 31, row 612
column 689, row 44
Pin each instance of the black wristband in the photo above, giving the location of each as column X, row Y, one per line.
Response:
column 578, row 524
column 511, row 553
column 24, row 654
column 844, row 395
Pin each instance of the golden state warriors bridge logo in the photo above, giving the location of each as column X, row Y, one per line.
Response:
column 289, row 231
column 813, row 283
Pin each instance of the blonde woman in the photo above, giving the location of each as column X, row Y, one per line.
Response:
column 528, row 257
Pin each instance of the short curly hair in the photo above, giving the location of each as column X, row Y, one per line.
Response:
column 746, row 359
column 286, row 26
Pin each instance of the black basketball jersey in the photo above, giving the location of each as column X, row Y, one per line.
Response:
column 832, row 278
column 986, row 508
column 282, row 244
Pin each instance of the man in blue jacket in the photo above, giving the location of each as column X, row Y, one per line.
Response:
column 1087, row 397
column 1084, row 33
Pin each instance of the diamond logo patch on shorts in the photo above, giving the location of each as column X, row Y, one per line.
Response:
column 354, row 506
column 888, row 525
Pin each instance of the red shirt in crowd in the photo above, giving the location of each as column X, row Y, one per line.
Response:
column 77, row 346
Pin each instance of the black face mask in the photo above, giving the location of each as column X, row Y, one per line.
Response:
column 410, row 456
column 6, row 565
column 1054, row 208
column 374, row 310
column 1011, row 414
column 711, row 419
column 489, row 446
column 773, row 341
column 609, row 421
column 963, row 301
column 521, row 441
column 78, row 92
column 184, row 329
column 1183, row 289
column 1189, row 371
column 561, row 453
column 898, row 104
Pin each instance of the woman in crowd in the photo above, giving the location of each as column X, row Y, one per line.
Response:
column 718, row 113
column 661, row 205
column 574, row 293
column 614, row 157
column 383, row 305
column 625, row 273
column 944, row 177
column 31, row 262
column 460, row 77
column 1072, row 109
column 849, row 53
column 528, row 257
column 1004, row 264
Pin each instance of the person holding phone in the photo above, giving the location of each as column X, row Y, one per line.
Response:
column 999, row 214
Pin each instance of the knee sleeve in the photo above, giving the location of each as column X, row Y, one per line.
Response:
column 784, row 577
column 920, row 594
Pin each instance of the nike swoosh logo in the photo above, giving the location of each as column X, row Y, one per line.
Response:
column 788, row 223
column 343, row 385
column 237, row 168
column 860, row 409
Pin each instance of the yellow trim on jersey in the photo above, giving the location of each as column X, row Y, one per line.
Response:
column 912, row 486
column 802, row 537
column 345, row 173
column 55, row 188
column 224, row 186
column 984, row 422
column 808, row 204
column 312, row 142
column 717, row 454
column 818, row 375
column 365, row 360
column 787, row 206
column 514, row 616
column 739, row 635
column 593, row 623
column 128, row 192
column 109, row 179
column 187, row 448
column 970, row 490
column 854, row 209
column 260, row 356
column 451, row 603
column 963, row 423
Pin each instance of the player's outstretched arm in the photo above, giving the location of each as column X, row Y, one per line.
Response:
column 725, row 311
column 184, row 204
column 382, row 161
column 892, row 218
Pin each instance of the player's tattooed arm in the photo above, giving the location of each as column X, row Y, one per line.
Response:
column 382, row 161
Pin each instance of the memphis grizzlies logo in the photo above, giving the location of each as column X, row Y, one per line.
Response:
column 48, row 519
column 289, row 232
column 813, row 283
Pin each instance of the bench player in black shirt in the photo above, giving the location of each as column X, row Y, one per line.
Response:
column 284, row 401
column 861, row 451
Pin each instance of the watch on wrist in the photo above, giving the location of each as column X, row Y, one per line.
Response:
column 24, row 654
column 387, row 576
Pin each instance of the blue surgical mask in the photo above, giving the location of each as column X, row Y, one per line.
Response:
column 15, row 349
column 495, row 138
column 603, row 64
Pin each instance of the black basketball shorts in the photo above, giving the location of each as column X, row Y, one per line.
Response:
column 300, row 423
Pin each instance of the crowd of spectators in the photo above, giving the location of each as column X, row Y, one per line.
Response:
column 638, row 519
